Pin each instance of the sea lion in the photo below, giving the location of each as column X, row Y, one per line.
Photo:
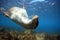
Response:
column 20, row 16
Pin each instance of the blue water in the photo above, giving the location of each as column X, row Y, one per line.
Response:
column 48, row 12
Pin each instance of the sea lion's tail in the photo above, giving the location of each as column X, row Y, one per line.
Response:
column 7, row 13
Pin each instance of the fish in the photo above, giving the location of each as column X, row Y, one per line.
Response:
column 20, row 17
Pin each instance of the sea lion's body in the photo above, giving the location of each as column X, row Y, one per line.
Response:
column 19, row 15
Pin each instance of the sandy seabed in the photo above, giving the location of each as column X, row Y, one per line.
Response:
column 26, row 35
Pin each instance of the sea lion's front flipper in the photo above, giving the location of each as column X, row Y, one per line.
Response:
column 7, row 13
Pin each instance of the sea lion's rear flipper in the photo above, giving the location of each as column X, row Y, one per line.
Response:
column 7, row 13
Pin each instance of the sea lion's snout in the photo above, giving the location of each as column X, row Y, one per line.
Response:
column 35, row 17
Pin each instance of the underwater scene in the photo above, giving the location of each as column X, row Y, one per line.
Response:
column 29, row 19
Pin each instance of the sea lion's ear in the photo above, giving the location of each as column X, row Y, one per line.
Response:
column 7, row 13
